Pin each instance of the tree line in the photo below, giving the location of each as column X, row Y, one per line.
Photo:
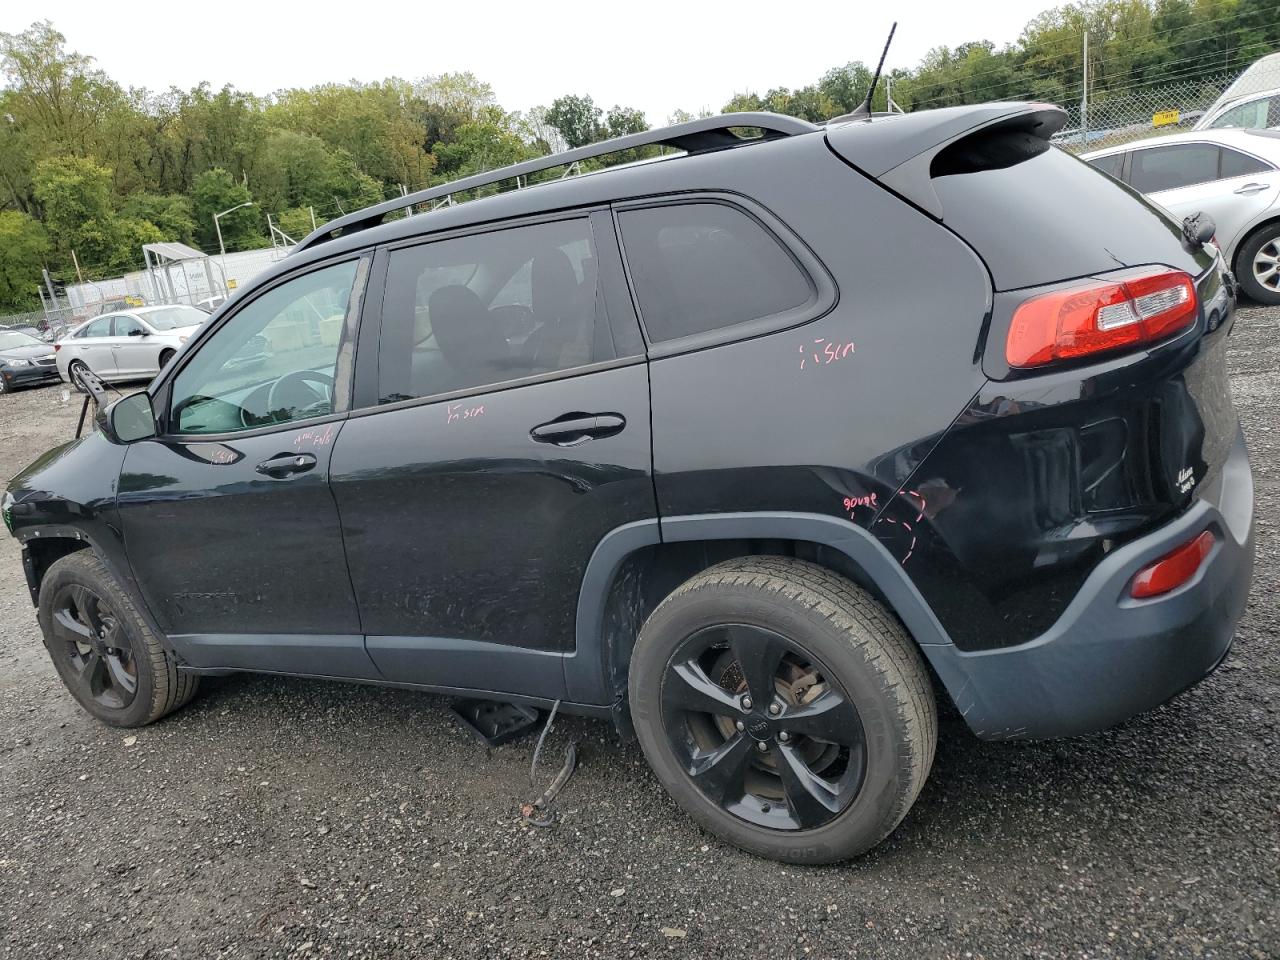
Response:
column 90, row 170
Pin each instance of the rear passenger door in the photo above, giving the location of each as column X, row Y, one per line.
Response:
column 504, row 433
column 1231, row 186
column 135, row 355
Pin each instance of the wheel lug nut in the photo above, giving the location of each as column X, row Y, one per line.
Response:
column 784, row 736
column 746, row 703
column 762, row 746
column 740, row 725
column 774, row 709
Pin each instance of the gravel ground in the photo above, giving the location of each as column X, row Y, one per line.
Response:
column 278, row 818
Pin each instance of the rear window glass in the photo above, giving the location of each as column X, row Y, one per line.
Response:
column 1053, row 217
column 698, row 267
column 1109, row 165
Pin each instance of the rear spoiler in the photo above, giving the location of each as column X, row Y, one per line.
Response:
column 906, row 152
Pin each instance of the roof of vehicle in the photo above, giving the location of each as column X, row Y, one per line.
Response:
column 1261, row 77
column 1265, row 142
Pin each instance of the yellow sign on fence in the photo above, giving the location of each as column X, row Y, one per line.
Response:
column 231, row 284
column 1164, row 118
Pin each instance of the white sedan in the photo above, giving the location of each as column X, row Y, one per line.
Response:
column 128, row 345
column 1232, row 175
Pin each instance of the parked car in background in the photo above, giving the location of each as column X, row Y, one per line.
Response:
column 1252, row 102
column 1232, row 175
column 210, row 304
column 132, row 345
column 25, row 361
column 29, row 330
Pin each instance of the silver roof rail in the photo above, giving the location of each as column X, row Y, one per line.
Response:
column 695, row 136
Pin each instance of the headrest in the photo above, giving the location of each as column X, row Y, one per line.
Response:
column 553, row 284
column 465, row 332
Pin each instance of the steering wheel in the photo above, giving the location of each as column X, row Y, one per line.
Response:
column 297, row 390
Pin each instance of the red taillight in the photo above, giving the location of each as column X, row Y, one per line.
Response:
column 1100, row 317
column 1173, row 569
column 57, row 347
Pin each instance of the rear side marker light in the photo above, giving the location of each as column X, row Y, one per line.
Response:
column 1101, row 317
column 1173, row 569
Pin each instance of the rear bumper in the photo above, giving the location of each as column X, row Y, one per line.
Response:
column 1109, row 657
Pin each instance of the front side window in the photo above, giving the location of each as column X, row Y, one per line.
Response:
column 698, row 267
column 129, row 327
column 490, row 307
column 273, row 362
column 1177, row 165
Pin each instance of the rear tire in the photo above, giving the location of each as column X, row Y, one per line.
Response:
column 165, row 357
column 71, row 373
column 807, row 793
column 1258, row 265
column 104, row 651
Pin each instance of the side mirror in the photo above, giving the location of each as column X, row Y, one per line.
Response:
column 135, row 332
column 128, row 419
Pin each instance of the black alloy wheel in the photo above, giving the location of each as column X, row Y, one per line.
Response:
column 90, row 639
column 762, row 728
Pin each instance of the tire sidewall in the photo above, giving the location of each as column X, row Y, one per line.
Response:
column 1244, row 266
column 87, row 570
column 71, row 373
column 877, row 807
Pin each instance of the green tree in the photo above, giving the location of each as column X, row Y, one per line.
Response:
column 171, row 214
column 24, row 244
column 577, row 119
column 214, row 191
column 75, row 196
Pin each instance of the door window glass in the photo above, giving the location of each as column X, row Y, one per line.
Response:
column 126, row 327
column 1236, row 164
column 698, row 267
column 272, row 362
column 1109, row 165
column 1177, row 165
column 1246, row 116
column 490, row 307
column 100, row 327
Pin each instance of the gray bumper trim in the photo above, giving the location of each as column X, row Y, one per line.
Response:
column 1109, row 656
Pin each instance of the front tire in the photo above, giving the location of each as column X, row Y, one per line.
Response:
column 1258, row 265
column 104, row 651
column 784, row 709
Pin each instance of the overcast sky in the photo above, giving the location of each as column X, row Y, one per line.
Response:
column 655, row 54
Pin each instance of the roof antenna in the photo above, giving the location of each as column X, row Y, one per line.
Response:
column 864, row 110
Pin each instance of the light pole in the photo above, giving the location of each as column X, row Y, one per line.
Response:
column 222, row 249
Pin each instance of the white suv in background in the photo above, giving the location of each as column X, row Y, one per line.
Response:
column 128, row 345
column 1252, row 102
column 1232, row 175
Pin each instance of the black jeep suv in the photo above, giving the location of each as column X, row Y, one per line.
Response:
column 755, row 447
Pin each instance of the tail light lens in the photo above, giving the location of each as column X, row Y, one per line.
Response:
column 57, row 347
column 1101, row 317
column 1173, row 569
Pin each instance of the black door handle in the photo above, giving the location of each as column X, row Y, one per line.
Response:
column 572, row 429
column 287, row 464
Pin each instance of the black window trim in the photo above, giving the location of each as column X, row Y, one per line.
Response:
column 367, row 392
column 161, row 387
column 1132, row 152
column 822, row 285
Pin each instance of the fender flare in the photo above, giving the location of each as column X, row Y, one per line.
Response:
column 588, row 669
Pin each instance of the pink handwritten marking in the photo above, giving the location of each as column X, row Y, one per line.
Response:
column 316, row 438
column 852, row 503
column 830, row 352
column 223, row 456
column 456, row 411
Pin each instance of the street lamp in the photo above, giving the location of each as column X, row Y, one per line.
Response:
column 222, row 249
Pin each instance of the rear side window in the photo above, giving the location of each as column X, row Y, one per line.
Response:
column 1109, row 165
column 1236, row 164
column 98, row 328
column 698, row 267
column 490, row 307
column 1177, row 165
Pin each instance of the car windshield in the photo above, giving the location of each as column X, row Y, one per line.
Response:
column 170, row 318
column 10, row 339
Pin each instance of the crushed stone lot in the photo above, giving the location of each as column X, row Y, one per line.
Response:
column 281, row 818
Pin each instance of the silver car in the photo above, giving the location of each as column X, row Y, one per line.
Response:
column 130, row 344
column 1232, row 175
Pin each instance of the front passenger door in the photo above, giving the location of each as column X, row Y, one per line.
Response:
column 92, row 347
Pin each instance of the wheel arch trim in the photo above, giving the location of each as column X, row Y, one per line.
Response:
column 588, row 670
